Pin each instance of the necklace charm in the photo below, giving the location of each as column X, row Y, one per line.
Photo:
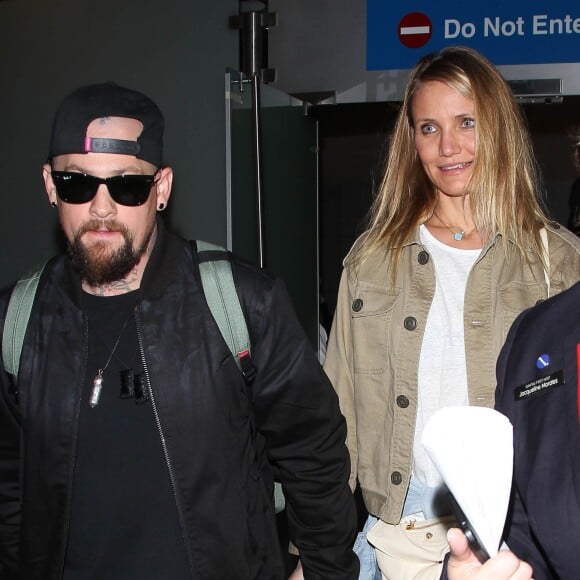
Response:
column 97, row 386
column 457, row 236
column 98, row 380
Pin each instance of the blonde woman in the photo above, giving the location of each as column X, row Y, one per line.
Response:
column 457, row 246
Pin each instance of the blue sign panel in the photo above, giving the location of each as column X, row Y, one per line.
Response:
column 513, row 32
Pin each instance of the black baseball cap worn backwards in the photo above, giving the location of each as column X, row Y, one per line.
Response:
column 84, row 105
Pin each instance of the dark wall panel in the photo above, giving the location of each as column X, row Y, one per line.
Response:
column 177, row 51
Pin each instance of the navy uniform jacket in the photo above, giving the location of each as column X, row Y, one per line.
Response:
column 538, row 389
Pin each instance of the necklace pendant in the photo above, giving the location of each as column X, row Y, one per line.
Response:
column 96, row 392
column 458, row 236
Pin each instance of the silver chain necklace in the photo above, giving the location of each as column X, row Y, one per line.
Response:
column 98, row 380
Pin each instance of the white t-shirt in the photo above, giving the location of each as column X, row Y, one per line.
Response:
column 442, row 371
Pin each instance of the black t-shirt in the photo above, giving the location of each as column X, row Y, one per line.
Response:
column 124, row 521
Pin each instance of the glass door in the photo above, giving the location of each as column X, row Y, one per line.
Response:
column 279, row 227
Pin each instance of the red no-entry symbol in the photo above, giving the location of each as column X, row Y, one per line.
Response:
column 415, row 30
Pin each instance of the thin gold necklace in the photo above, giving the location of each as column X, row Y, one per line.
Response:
column 457, row 235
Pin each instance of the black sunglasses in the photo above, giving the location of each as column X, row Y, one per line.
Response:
column 74, row 187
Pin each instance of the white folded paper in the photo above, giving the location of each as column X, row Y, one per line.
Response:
column 472, row 447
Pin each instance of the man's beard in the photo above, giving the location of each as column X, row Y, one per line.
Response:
column 97, row 264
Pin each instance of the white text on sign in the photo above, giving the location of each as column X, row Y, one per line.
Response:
column 541, row 25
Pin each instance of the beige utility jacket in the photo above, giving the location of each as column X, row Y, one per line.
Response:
column 374, row 345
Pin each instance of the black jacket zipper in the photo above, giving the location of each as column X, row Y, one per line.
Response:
column 164, row 444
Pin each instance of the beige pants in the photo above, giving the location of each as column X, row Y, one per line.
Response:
column 411, row 550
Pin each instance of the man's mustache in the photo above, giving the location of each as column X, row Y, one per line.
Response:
column 101, row 225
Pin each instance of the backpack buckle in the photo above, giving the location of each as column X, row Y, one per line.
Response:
column 246, row 366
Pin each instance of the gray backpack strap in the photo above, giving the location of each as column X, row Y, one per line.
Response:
column 16, row 321
column 224, row 303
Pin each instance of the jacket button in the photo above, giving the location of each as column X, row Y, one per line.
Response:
column 410, row 323
column 357, row 305
column 402, row 401
column 423, row 257
column 396, row 478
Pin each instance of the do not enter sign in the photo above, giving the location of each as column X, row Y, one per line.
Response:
column 415, row 29
column 514, row 32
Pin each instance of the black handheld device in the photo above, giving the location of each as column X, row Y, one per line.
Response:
column 475, row 543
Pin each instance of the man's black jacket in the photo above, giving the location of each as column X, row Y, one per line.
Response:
column 225, row 442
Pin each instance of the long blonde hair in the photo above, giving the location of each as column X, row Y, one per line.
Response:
column 504, row 188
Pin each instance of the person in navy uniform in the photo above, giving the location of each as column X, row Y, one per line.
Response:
column 539, row 391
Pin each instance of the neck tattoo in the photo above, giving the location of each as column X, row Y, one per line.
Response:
column 98, row 380
column 458, row 235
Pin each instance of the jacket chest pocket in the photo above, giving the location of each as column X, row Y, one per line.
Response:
column 516, row 297
column 372, row 313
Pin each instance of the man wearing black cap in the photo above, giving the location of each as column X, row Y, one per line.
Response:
column 131, row 446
